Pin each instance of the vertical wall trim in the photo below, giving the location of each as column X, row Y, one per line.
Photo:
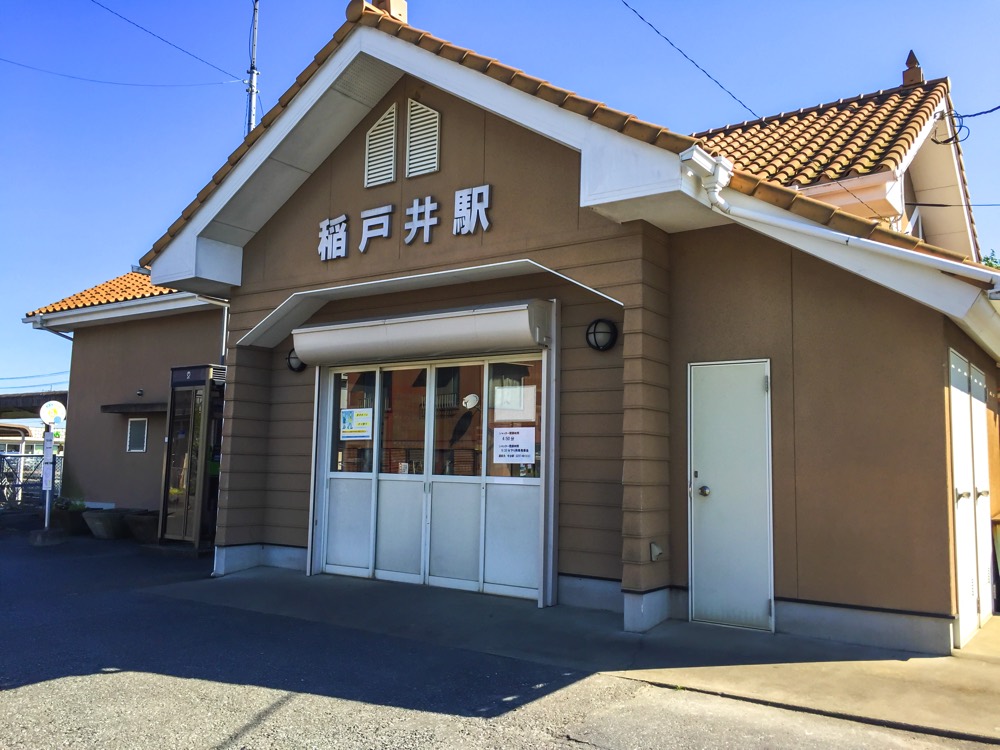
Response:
column 548, row 590
column 311, row 566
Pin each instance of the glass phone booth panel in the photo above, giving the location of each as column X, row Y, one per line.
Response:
column 193, row 455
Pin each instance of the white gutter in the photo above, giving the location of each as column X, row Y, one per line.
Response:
column 38, row 323
column 715, row 174
column 971, row 309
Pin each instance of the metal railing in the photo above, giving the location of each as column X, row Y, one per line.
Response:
column 21, row 480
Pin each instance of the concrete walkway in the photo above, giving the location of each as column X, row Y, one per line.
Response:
column 956, row 696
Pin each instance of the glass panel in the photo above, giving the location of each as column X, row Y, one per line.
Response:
column 179, row 465
column 514, row 419
column 194, row 484
column 353, row 424
column 458, row 421
column 404, row 394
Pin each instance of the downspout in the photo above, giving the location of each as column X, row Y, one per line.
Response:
column 38, row 323
column 715, row 173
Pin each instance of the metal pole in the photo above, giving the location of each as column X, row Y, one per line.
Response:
column 252, row 89
column 47, row 453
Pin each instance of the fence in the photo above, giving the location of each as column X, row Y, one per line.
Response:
column 21, row 480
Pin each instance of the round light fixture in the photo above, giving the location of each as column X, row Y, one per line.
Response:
column 294, row 363
column 602, row 334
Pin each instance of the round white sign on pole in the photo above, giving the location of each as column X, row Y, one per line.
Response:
column 53, row 413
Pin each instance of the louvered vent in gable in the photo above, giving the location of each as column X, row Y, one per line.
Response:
column 423, row 139
column 380, row 150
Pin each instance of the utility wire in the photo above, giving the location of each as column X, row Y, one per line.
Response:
column 956, row 205
column 33, row 377
column 962, row 131
column 976, row 114
column 686, row 57
column 165, row 41
column 43, row 387
column 115, row 83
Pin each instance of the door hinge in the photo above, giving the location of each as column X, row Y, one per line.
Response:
column 767, row 384
column 770, row 607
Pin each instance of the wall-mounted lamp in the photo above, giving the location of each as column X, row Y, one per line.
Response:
column 602, row 334
column 294, row 363
column 655, row 551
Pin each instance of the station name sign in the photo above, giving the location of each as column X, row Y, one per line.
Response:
column 471, row 213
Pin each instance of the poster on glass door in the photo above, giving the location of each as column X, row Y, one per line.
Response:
column 514, row 445
column 356, row 424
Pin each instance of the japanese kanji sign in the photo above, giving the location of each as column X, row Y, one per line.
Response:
column 471, row 207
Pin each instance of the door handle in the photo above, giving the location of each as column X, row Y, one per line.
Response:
column 704, row 490
column 983, row 493
column 962, row 495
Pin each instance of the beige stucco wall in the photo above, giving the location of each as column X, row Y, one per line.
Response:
column 534, row 214
column 859, row 422
column 109, row 364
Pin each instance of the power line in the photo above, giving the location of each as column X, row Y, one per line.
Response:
column 165, row 41
column 43, row 387
column 686, row 57
column 962, row 131
column 956, row 205
column 33, row 377
column 977, row 114
column 114, row 83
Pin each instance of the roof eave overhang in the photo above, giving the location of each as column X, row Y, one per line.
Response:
column 66, row 321
column 301, row 306
column 621, row 177
column 955, row 289
column 874, row 196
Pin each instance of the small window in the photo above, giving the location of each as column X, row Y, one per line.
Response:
column 136, row 442
column 380, row 150
column 423, row 136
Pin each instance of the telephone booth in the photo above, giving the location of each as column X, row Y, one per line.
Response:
column 193, row 455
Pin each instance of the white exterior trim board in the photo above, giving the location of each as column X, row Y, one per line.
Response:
column 116, row 312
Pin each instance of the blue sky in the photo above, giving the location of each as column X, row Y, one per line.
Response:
column 92, row 174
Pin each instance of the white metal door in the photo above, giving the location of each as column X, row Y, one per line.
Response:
column 729, row 484
column 970, row 480
column 435, row 475
column 981, row 491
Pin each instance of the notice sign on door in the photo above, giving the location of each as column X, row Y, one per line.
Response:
column 514, row 445
column 356, row 424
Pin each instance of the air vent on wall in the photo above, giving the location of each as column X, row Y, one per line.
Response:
column 380, row 150
column 423, row 136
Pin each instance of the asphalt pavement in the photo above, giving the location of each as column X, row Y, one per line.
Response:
column 107, row 646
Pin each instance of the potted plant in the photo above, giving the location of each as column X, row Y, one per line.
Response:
column 68, row 515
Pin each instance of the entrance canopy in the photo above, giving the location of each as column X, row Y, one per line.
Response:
column 486, row 330
column 301, row 306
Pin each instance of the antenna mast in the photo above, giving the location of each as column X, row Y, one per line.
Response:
column 252, row 87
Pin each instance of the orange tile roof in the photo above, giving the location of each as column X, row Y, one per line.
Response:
column 360, row 13
column 130, row 286
column 848, row 138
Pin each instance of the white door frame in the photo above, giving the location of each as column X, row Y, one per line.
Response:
column 769, row 478
column 970, row 498
column 323, row 439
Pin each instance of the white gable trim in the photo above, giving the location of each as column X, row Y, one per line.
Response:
column 206, row 254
